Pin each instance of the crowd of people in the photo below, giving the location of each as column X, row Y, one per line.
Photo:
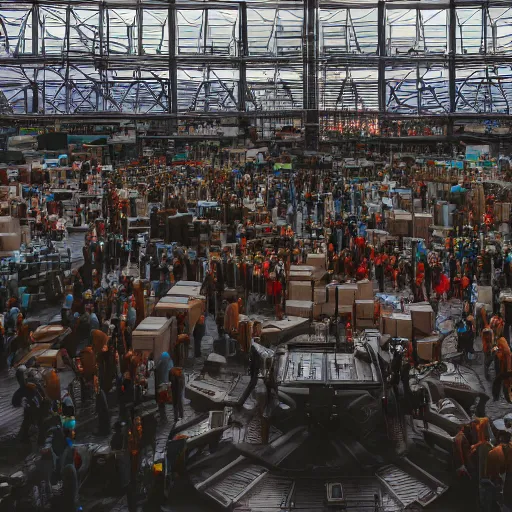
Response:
column 261, row 223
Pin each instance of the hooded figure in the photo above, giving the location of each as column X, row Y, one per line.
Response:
column 162, row 369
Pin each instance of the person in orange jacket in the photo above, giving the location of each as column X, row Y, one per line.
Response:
column 503, row 381
column 462, row 452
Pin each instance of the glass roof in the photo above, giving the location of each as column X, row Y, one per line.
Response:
column 114, row 56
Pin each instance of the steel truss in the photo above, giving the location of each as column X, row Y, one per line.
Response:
column 144, row 59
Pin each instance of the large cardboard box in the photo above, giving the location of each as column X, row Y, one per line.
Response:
column 9, row 224
column 364, row 309
column 301, row 308
column 422, row 223
column 427, row 347
column 328, row 309
column 403, row 325
column 389, row 325
column 347, row 294
column 362, row 323
column 300, row 273
column 364, row 290
column 299, row 290
column 320, row 295
column 317, row 261
column 422, row 319
column 10, row 241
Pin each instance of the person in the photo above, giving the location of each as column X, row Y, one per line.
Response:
column 462, row 452
column 65, row 312
column 31, row 397
column 480, row 450
column 162, row 369
column 497, row 462
column 508, row 320
column 177, row 379
column 502, row 381
column 199, row 332
column 487, row 347
column 507, row 486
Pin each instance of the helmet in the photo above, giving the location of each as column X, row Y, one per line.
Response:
column 68, row 301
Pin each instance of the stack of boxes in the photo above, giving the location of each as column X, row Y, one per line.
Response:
column 418, row 324
column 422, row 223
column 354, row 299
column 397, row 325
column 364, row 305
column 399, row 222
column 423, row 322
column 306, row 288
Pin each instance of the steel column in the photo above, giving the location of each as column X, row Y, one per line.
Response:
column 381, row 39
column 243, row 53
column 310, row 69
column 452, row 47
column 452, row 72
column 140, row 26
column 35, row 51
column 173, row 68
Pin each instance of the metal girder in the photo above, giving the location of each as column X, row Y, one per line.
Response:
column 139, row 57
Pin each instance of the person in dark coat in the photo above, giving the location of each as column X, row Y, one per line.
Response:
column 177, row 380
column 508, row 321
column 199, row 332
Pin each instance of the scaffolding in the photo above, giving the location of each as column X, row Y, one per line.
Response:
column 312, row 60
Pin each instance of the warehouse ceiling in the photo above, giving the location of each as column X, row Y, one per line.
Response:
column 148, row 57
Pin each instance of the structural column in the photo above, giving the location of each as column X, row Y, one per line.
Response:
column 452, row 73
column 381, row 37
column 173, row 69
column 35, row 51
column 310, row 71
column 244, row 52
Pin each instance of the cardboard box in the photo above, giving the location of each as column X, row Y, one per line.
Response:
column 346, row 310
column 9, row 225
column 422, row 223
column 317, row 261
column 10, row 241
column 389, row 325
column 422, row 319
column 427, row 347
column 403, row 325
column 347, row 294
column 300, row 273
column 328, row 309
column 364, row 290
column 400, row 227
column 301, row 308
column 364, row 324
column 299, row 290
column 320, row 295
column 364, row 309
